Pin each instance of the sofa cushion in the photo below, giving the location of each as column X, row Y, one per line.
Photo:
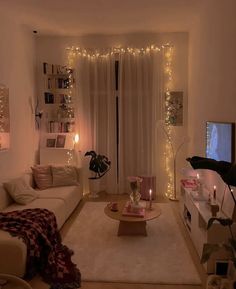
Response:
column 71, row 195
column 64, row 176
column 20, row 192
column 56, row 206
column 42, row 176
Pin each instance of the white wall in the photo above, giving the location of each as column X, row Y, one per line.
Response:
column 17, row 72
column 212, row 70
column 53, row 50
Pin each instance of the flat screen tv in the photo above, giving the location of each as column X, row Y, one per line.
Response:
column 220, row 141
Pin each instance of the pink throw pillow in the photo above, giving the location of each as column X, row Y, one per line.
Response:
column 42, row 176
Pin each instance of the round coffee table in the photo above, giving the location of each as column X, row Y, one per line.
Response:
column 132, row 225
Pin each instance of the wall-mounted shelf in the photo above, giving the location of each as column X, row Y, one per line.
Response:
column 57, row 101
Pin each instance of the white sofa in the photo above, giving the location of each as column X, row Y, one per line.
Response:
column 60, row 200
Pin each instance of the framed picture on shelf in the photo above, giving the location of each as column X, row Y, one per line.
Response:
column 61, row 139
column 50, row 142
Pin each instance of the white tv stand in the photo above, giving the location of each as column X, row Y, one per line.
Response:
column 195, row 215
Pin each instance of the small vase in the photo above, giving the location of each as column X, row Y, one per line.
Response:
column 135, row 197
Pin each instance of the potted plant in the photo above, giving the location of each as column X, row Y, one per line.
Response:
column 99, row 165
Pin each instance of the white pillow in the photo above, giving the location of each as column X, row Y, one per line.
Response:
column 64, row 176
column 20, row 192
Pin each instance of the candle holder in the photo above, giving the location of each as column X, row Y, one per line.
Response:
column 150, row 205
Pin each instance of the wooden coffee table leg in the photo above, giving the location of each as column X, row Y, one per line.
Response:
column 132, row 228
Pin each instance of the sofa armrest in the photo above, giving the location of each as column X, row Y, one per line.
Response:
column 13, row 253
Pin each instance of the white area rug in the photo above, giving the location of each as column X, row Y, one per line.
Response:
column 162, row 257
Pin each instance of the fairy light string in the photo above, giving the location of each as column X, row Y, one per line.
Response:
column 74, row 52
column 168, row 70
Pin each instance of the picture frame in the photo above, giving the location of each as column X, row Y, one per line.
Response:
column 50, row 142
column 60, row 141
column 222, row 268
column 174, row 108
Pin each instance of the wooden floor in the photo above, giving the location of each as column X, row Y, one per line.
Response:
column 36, row 283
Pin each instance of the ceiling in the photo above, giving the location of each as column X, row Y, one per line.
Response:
column 80, row 17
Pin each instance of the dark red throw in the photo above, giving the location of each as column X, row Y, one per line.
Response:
column 46, row 254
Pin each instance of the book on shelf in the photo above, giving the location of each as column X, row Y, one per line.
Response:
column 133, row 211
column 57, row 126
column 56, row 69
column 48, row 97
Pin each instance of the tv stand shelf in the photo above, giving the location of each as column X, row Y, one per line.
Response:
column 195, row 215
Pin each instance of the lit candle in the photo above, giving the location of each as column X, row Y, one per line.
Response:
column 76, row 141
column 150, row 199
column 150, row 194
column 214, row 193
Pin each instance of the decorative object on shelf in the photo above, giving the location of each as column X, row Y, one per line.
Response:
column 60, row 142
column 135, row 187
column 172, row 194
column 51, row 142
column 99, row 165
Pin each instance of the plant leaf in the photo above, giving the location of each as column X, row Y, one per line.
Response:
column 229, row 248
column 223, row 222
column 208, row 249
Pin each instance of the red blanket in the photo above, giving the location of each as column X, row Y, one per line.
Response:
column 45, row 252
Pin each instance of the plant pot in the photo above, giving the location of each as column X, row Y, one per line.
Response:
column 94, row 188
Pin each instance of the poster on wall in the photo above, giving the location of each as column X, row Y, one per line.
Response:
column 174, row 108
column 4, row 117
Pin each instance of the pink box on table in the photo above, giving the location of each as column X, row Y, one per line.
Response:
column 148, row 183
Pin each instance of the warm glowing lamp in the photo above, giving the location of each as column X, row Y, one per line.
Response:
column 76, row 138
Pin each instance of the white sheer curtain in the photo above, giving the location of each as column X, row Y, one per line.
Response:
column 139, row 91
column 97, row 114
column 139, row 99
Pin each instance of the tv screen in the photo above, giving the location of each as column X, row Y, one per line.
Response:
column 220, row 141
